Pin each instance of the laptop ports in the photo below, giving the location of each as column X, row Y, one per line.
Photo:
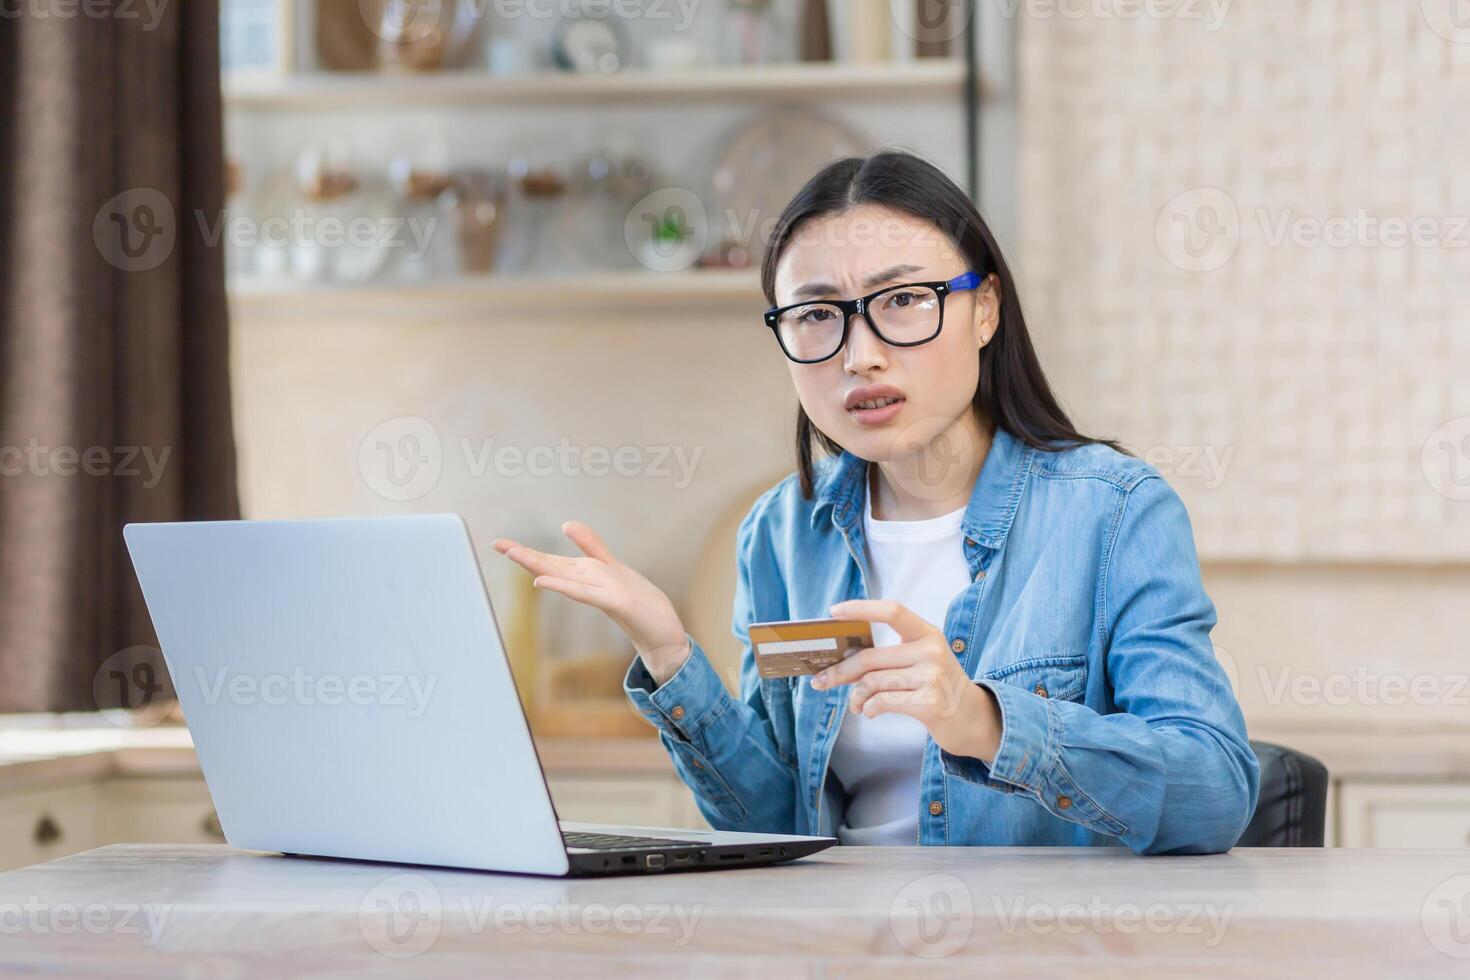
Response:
column 654, row 862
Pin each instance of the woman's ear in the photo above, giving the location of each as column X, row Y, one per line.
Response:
column 987, row 310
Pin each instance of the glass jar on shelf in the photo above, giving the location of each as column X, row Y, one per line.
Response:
column 535, row 193
column 321, row 222
column 425, row 35
column 756, row 32
column 477, row 206
column 425, row 244
column 589, row 226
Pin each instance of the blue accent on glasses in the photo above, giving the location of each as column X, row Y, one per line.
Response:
column 967, row 280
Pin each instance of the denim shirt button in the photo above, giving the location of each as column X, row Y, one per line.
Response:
column 936, row 808
column 958, row 646
column 1063, row 802
column 677, row 713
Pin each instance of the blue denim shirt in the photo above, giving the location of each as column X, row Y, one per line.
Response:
column 1085, row 617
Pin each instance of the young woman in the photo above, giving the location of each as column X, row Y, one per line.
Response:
column 1041, row 671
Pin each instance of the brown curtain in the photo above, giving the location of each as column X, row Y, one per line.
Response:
column 114, row 375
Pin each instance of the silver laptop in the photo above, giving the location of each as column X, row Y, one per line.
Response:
column 348, row 695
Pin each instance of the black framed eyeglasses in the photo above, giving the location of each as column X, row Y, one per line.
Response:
column 906, row 315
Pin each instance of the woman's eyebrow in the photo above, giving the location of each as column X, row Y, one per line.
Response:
column 876, row 279
column 888, row 275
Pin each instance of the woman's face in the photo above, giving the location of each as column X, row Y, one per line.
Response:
column 922, row 392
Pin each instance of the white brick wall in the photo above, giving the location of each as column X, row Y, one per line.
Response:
column 1311, row 401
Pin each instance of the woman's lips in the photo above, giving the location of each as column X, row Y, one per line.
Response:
column 877, row 416
column 875, row 404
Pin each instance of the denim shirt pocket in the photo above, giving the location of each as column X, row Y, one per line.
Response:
column 1061, row 677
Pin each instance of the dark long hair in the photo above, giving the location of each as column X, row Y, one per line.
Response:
column 1013, row 392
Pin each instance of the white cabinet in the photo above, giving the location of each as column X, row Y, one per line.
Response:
column 41, row 824
column 44, row 823
column 1403, row 814
column 159, row 811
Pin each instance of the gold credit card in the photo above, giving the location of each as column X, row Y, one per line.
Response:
column 806, row 646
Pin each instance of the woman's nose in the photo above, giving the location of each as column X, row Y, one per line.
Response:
column 864, row 351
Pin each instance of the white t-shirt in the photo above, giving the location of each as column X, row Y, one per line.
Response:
column 920, row 564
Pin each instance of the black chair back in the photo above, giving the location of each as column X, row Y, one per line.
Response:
column 1292, row 811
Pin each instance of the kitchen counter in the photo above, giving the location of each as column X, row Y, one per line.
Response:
column 1100, row 912
column 40, row 756
column 32, row 756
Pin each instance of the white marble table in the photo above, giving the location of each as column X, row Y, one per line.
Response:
column 133, row 910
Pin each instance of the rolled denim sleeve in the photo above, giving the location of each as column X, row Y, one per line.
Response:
column 1171, row 770
column 724, row 748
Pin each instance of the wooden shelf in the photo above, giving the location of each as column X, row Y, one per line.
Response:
column 483, row 298
column 914, row 80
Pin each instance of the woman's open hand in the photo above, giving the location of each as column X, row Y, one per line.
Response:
column 919, row 677
column 639, row 607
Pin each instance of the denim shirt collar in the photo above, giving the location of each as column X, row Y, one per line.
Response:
column 993, row 501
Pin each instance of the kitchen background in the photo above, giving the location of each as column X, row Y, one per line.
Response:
column 498, row 258
column 596, row 191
